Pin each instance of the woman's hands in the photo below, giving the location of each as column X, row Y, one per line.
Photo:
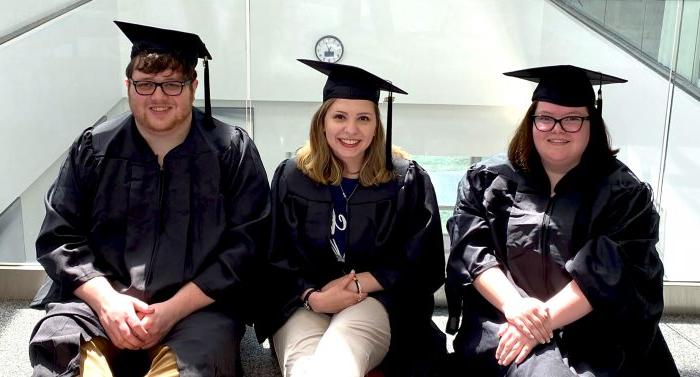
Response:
column 514, row 345
column 531, row 317
column 339, row 282
column 337, row 295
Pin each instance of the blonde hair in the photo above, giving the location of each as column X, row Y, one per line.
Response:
column 317, row 161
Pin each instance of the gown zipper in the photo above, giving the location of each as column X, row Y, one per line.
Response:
column 159, row 224
column 544, row 243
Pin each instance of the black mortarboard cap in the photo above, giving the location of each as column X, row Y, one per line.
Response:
column 566, row 85
column 346, row 81
column 185, row 45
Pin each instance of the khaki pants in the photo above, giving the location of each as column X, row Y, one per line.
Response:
column 95, row 356
column 346, row 344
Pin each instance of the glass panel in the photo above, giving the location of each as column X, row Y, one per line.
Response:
column 33, row 209
column 594, row 9
column 445, row 174
column 652, row 28
column 669, row 32
column 680, row 201
column 687, row 51
column 626, row 18
column 14, row 17
column 11, row 234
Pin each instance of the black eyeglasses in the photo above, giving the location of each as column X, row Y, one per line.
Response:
column 171, row 88
column 569, row 124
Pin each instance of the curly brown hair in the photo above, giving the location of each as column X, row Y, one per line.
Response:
column 154, row 62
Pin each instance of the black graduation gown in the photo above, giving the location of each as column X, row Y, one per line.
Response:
column 113, row 212
column 599, row 229
column 393, row 232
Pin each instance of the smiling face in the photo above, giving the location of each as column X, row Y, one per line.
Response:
column 159, row 113
column 350, row 126
column 560, row 151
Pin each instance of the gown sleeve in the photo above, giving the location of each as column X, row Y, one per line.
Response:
column 287, row 273
column 62, row 245
column 417, row 263
column 472, row 251
column 619, row 270
column 246, row 199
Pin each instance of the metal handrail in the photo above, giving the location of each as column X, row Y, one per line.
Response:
column 35, row 24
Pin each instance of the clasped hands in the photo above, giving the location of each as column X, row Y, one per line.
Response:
column 132, row 324
column 528, row 324
column 337, row 295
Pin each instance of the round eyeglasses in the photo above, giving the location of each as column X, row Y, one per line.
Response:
column 147, row 88
column 569, row 124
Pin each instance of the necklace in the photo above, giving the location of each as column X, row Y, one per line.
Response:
column 342, row 191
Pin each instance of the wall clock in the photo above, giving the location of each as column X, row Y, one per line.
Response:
column 329, row 49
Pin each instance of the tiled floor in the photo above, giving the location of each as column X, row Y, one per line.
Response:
column 16, row 322
column 682, row 332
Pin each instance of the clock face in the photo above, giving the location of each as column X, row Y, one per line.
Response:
column 329, row 49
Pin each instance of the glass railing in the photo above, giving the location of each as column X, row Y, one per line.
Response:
column 449, row 58
column 663, row 33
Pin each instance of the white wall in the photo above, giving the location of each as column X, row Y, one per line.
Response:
column 446, row 57
column 56, row 81
column 440, row 54
column 460, row 45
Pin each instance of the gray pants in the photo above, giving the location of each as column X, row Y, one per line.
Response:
column 206, row 343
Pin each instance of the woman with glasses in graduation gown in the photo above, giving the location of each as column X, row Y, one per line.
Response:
column 357, row 249
column 553, row 266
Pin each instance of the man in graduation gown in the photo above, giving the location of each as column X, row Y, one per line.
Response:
column 151, row 230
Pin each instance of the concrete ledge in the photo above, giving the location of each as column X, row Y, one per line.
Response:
column 681, row 297
column 20, row 281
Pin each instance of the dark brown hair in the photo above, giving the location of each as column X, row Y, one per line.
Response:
column 523, row 155
column 153, row 62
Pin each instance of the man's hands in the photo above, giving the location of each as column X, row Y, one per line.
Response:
column 159, row 322
column 120, row 315
column 131, row 323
